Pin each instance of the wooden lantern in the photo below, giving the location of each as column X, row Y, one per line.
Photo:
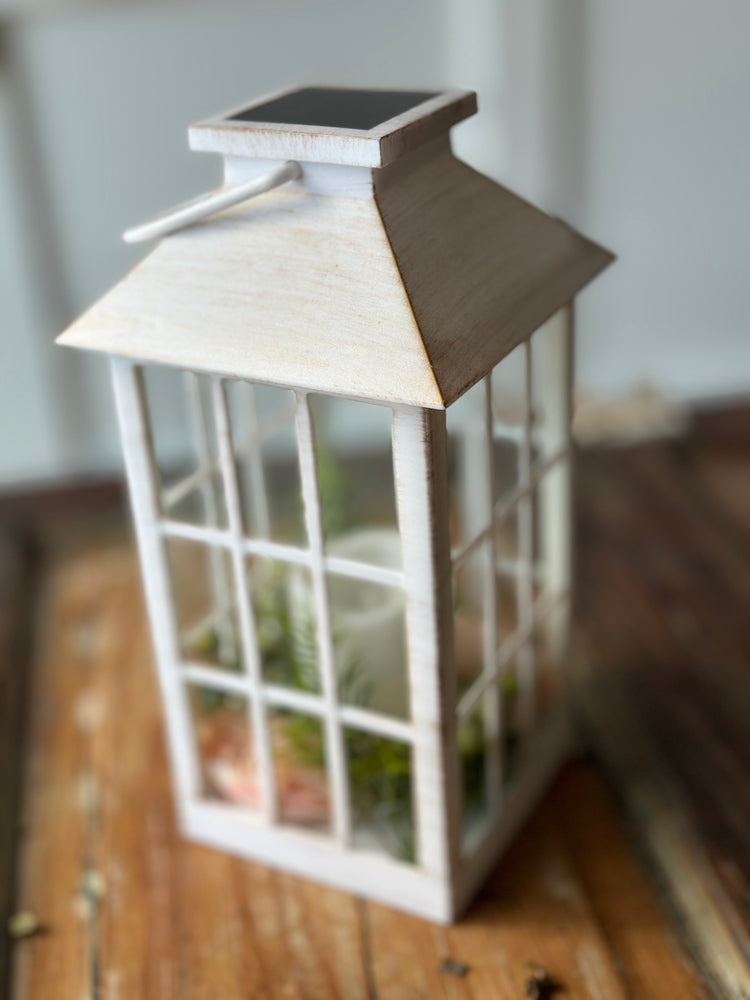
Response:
column 360, row 648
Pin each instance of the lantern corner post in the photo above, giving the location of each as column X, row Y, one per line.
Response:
column 132, row 414
column 557, row 527
column 420, row 462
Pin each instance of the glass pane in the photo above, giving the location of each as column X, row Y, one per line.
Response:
column 380, row 793
column 282, row 598
column 169, row 422
column 538, row 498
column 183, row 433
column 540, row 372
column 509, row 389
column 355, row 475
column 225, row 748
column 368, row 625
column 505, row 462
column 467, row 466
column 550, row 651
column 506, row 593
column 204, row 603
column 506, row 536
column 298, row 746
column 548, row 377
column 469, row 613
column 200, row 506
column 546, row 676
column 510, row 725
column 264, row 438
column 473, row 769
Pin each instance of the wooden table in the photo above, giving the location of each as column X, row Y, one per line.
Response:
column 128, row 910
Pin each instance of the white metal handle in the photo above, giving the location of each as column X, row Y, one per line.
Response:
column 207, row 204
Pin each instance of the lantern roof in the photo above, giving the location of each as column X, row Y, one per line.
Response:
column 404, row 282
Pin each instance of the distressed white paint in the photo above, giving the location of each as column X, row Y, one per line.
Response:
column 335, row 754
column 525, row 581
column 395, row 330
column 491, row 705
column 424, row 551
column 556, row 513
column 139, row 463
column 436, row 885
column 249, row 644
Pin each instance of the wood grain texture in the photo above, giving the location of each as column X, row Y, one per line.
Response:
column 669, row 704
column 292, row 288
column 18, row 559
column 407, row 291
column 133, row 911
column 482, row 268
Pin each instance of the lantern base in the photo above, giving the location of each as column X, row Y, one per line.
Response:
column 374, row 875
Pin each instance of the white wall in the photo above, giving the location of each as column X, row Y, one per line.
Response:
column 102, row 97
column 628, row 119
column 631, row 121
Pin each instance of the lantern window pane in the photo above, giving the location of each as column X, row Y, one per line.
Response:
column 473, row 758
column 368, row 629
column 169, row 422
column 508, row 394
column 283, row 612
column 469, row 488
column 549, row 376
column 204, row 604
column 223, row 737
column 506, row 537
column 506, row 600
column 510, row 728
column 547, row 675
column 505, row 469
column 539, row 497
column 380, row 793
column 354, row 453
column 299, row 759
column 540, row 371
column 183, row 435
column 264, row 442
column 471, row 613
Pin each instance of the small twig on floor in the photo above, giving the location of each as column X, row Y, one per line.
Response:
column 539, row 984
column 453, row 968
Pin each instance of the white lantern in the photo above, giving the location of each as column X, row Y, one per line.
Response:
column 359, row 580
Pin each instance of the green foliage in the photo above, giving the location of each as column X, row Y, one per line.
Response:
column 471, row 749
column 379, row 769
column 380, row 783
column 337, row 494
column 207, row 645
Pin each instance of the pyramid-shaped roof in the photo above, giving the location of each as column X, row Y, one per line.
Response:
column 405, row 283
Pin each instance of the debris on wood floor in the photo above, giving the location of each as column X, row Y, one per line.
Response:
column 453, row 968
column 539, row 983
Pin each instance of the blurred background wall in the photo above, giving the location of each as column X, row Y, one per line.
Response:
column 629, row 120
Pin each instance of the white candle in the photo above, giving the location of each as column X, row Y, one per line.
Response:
column 368, row 619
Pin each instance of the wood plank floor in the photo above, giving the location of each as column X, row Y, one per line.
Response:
column 128, row 910
column 664, row 589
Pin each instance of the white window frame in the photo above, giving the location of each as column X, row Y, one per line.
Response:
column 418, row 449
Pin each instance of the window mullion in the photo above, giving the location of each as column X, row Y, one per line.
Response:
column 251, row 655
column 219, row 583
column 335, row 757
column 492, row 718
column 256, row 473
column 556, row 515
column 130, row 400
column 525, row 582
